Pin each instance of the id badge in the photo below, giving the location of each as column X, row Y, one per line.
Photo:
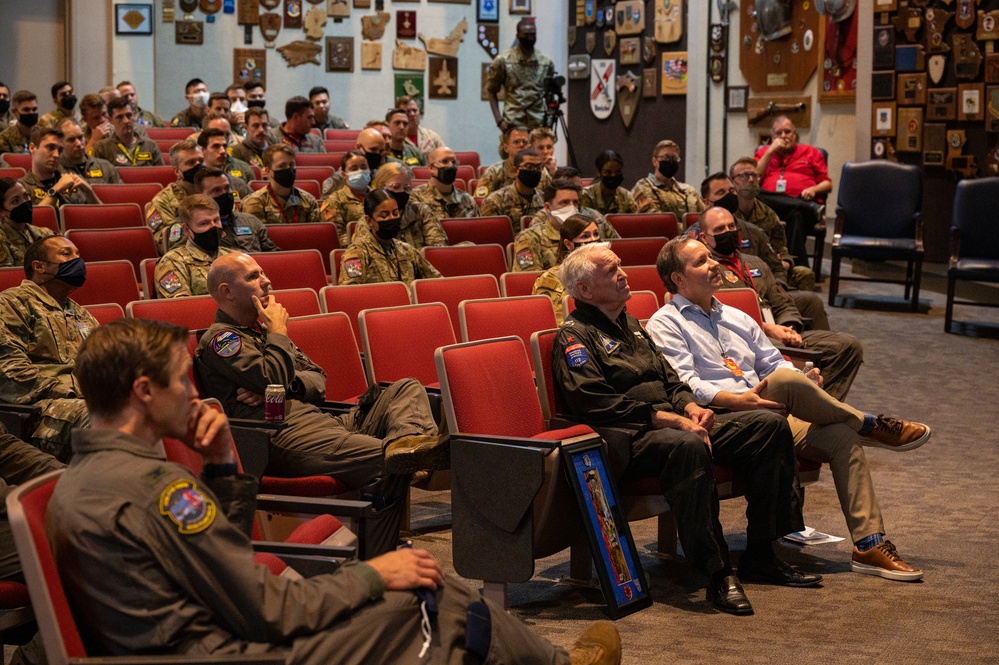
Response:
column 732, row 367
column 768, row 315
column 781, row 186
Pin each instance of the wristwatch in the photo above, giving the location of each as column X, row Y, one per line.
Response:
column 53, row 193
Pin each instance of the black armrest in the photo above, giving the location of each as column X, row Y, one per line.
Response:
column 245, row 659
column 279, row 503
column 16, row 417
column 310, row 566
column 301, row 549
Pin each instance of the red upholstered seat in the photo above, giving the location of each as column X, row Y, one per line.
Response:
column 399, row 342
column 467, row 260
column 452, row 290
column 644, row 225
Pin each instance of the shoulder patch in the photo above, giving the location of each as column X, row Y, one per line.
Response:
column 226, row 344
column 730, row 276
column 154, row 219
column 755, row 272
column 745, row 243
column 576, row 355
column 609, row 345
column 170, row 282
column 353, row 267
column 482, row 191
column 525, row 259
column 187, row 507
column 175, row 233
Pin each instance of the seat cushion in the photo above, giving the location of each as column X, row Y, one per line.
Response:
column 877, row 249
column 972, row 268
column 12, row 595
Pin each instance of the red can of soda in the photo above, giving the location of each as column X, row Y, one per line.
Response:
column 274, row 403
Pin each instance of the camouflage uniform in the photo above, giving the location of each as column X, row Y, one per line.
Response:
column 144, row 152
column 535, row 248
column 678, row 198
column 607, row 232
column 246, row 233
column 183, row 271
column 161, row 215
column 148, row 118
column 446, row 206
column 508, row 201
column 523, row 78
column 186, row 118
column 299, row 204
column 409, row 155
column 307, row 143
column 38, row 190
column 367, row 262
column 94, row 170
column 501, row 174
column 39, row 338
column 53, row 118
column 248, row 152
column 340, row 209
column 593, row 197
column 419, row 228
column 763, row 216
column 333, row 184
column 549, row 285
column 7, row 119
column 16, row 242
column 12, row 140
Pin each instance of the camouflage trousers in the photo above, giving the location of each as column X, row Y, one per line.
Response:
column 52, row 431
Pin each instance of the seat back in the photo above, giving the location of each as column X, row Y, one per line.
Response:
column 467, row 260
column 452, row 290
column 46, row 217
column 299, row 302
column 479, row 230
column 293, row 269
column 487, row 388
column 542, row 343
column 12, row 276
column 518, row 283
column 192, row 312
column 108, row 281
column 106, row 312
column 317, row 173
column 328, row 339
column 340, row 146
column 645, row 225
column 13, row 173
column 169, row 133
column 160, row 175
column 18, row 160
column 637, row 251
column 26, row 508
column 469, row 159
column 690, row 218
column 352, row 298
column 341, row 134
column 643, row 304
column 501, row 317
column 880, row 199
column 975, row 206
column 399, row 342
column 140, row 193
column 317, row 159
column 646, row 278
column 133, row 244
column 745, row 300
column 318, row 235
column 104, row 216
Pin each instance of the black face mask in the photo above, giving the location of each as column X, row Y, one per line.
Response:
column 668, row 167
column 259, row 103
column 225, row 202
column 727, row 243
column 189, row 174
column 529, row 178
column 73, row 272
column 374, row 161
column 729, row 202
column 285, row 177
column 528, row 42
column 28, row 119
column 68, row 102
column 612, row 182
column 4, row 105
column 401, row 199
column 22, row 213
column 389, row 228
column 447, row 174
column 209, row 240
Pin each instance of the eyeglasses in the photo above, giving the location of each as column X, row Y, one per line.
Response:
column 747, row 176
column 660, row 158
column 399, row 188
column 783, row 132
column 520, row 143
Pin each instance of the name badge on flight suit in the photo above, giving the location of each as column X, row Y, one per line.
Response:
column 144, row 157
column 95, row 173
column 755, row 272
column 243, row 230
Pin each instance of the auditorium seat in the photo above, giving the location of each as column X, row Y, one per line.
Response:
column 104, row 216
column 161, row 175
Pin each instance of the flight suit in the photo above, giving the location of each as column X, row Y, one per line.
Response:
column 246, row 233
column 410, row 155
column 303, row 143
column 144, row 152
column 38, row 190
column 94, row 170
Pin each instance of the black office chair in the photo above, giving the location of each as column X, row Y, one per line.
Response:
column 879, row 218
column 974, row 240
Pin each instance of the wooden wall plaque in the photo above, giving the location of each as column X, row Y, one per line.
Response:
column 249, row 64
column 773, row 66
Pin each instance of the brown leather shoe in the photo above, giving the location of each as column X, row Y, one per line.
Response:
column 418, row 452
column 598, row 644
column 898, row 435
column 884, row 561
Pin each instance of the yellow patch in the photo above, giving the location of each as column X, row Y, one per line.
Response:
column 189, row 509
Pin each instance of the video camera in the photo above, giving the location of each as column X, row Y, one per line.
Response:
column 554, row 98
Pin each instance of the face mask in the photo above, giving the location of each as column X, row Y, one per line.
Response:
column 209, row 240
column 359, row 180
column 447, row 174
column 401, row 199
column 727, row 243
column 612, row 182
column 28, row 119
column 389, row 228
column 189, row 174
column 729, row 202
column 285, row 177
column 668, row 167
column 750, row 191
column 199, row 100
column 68, row 102
column 529, row 178
column 239, row 107
column 22, row 213
column 374, row 160
column 528, row 42
column 4, row 106
column 225, row 202
column 565, row 213
column 259, row 103
column 73, row 272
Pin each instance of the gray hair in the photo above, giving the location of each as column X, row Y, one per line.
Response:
column 579, row 265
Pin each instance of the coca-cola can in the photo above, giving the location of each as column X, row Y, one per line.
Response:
column 274, row 403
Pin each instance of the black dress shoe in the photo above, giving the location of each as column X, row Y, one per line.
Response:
column 775, row 571
column 727, row 595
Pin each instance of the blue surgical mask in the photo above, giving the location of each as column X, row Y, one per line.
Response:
column 359, row 180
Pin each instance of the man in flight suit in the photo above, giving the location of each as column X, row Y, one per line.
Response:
column 123, row 518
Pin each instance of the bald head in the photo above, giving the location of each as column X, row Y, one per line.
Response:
column 371, row 140
column 716, row 219
column 438, row 154
column 224, row 270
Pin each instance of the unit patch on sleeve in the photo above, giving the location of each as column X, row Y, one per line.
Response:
column 226, row 344
column 170, row 282
column 187, row 507
column 353, row 267
column 525, row 259
column 575, row 355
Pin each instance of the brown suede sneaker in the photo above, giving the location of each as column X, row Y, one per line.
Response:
column 898, row 435
column 598, row 644
column 418, row 452
column 885, row 562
